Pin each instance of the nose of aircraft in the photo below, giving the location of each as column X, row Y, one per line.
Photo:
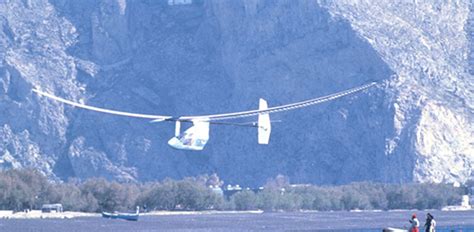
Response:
column 174, row 142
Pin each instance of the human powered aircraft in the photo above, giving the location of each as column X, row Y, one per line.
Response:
column 196, row 137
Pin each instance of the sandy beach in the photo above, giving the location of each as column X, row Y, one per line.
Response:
column 35, row 214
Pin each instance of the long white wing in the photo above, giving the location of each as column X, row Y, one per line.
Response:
column 102, row 110
column 214, row 117
column 292, row 106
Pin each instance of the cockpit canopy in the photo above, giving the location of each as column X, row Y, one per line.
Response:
column 194, row 138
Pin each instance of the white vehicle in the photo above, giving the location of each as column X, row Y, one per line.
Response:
column 196, row 137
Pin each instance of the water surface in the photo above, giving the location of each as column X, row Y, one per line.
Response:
column 288, row 221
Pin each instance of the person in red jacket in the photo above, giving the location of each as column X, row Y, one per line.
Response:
column 415, row 224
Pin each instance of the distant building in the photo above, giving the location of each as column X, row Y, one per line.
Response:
column 466, row 201
column 471, row 199
column 179, row 2
column 48, row 208
column 217, row 190
column 465, row 205
column 230, row 190
column 300, row 185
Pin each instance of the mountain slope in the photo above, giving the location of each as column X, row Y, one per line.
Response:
column 222, row 56
column 426, row 45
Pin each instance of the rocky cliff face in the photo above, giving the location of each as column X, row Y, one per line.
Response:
column 427, row 45
column 166, row 57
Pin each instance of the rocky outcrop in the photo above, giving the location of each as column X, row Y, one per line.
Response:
column 426, row 44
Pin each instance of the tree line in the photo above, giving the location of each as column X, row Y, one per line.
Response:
column 29, row 189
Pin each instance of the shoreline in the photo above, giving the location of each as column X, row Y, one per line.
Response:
column 37, row 214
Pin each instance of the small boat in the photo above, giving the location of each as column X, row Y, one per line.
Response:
column 125, row 216
column 390, row 229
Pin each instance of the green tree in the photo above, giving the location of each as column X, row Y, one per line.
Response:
column 160, row 196
column 22, row 189
column 245, row 200
column 267, row 199
column 110, row 196
column 194, row 196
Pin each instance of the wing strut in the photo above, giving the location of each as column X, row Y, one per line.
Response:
column 264, row 124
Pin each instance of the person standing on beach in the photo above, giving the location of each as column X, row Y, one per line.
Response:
column 430, row 223
column 414, row 224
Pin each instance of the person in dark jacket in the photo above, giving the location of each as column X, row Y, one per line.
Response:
column 430, row 223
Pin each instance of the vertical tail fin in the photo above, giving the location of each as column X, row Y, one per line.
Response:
column 264, row 124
